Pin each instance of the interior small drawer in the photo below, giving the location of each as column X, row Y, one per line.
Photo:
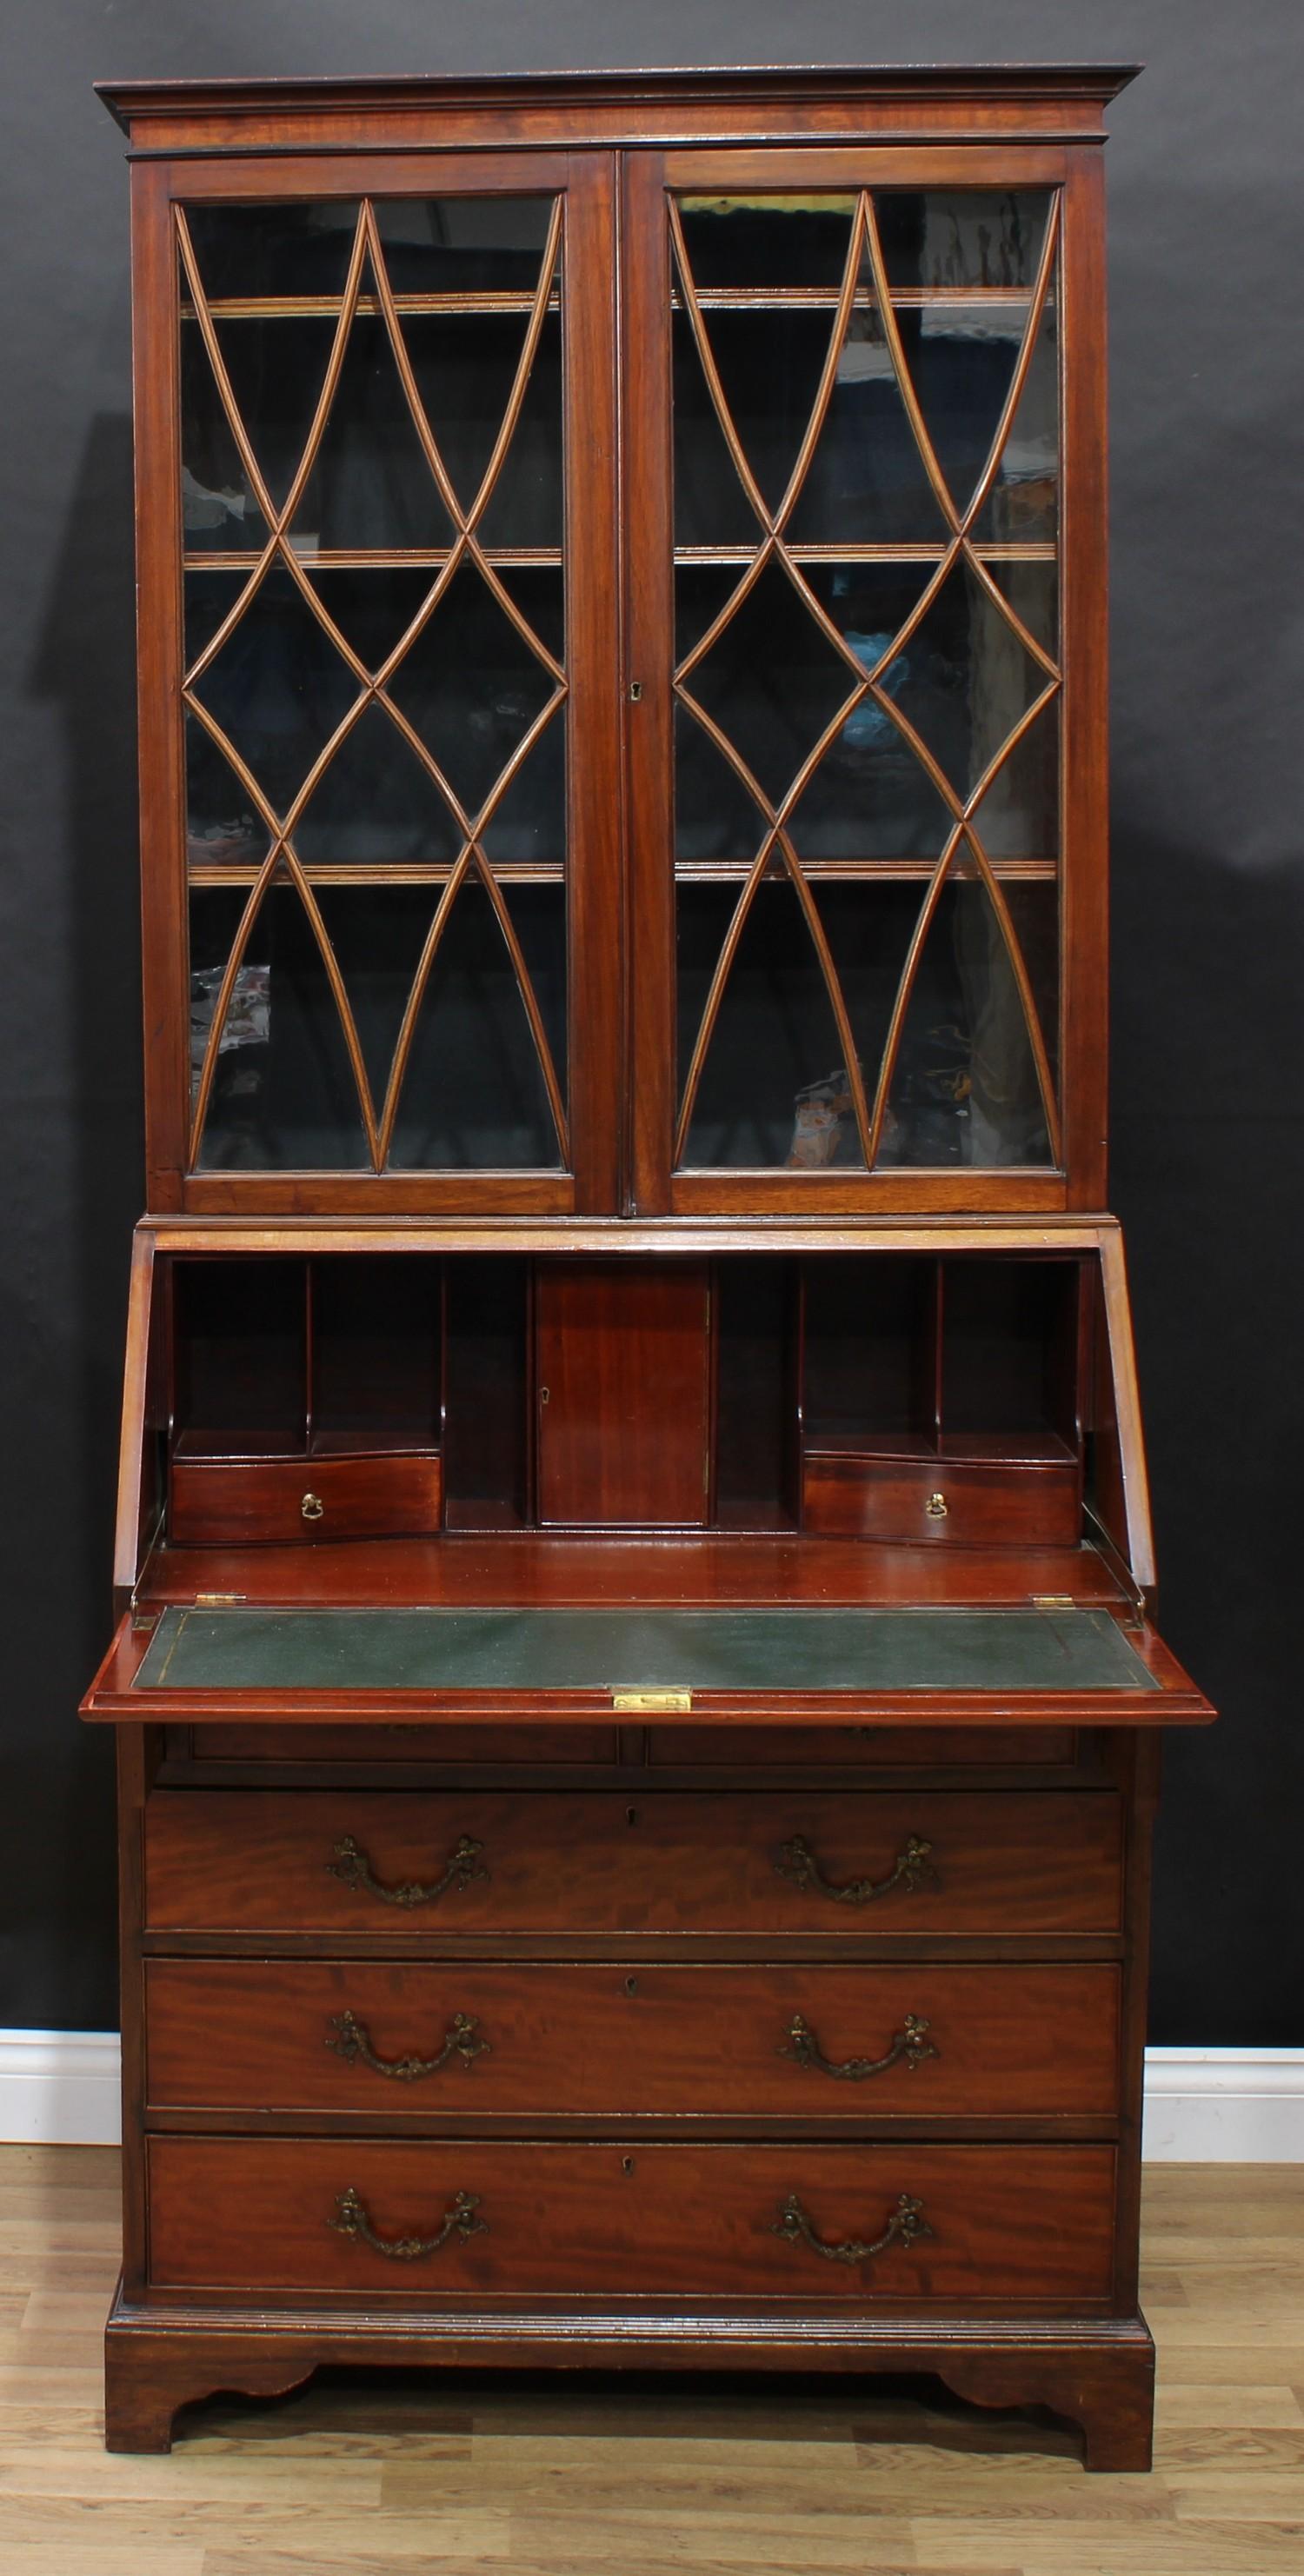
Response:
column 436, row 1865
column 960, row 1501
column 885, row 1748
column 475, row 2038
column 247, row 1502
column 829, row 2225
column 481, row 1747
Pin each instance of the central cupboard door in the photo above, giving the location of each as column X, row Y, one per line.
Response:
column 391, row 475
column 852, row 771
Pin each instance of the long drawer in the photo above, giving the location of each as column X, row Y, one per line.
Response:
column 846, row 2043
column 439, row 1865
column 913, row 2223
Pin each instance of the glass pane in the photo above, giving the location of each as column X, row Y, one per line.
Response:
column 965, row 1088
column 284, row 1097
column 277, row 686
column 463, row 245
column 1023, row 504
column 767, row 241
column 471, row 685
column 464, row 659
column 371, row 484
column 256, row 251
column 772, row 681
column 474, row 1093
column 775, row 1039
column 867, row 483
column 933, row 708
column 940, row 237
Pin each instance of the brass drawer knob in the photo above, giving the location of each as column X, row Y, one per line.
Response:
column 935, row 1507
column 351, row 2040
column 312, row 1507
column 352, row 2219
column 905, row 2224
column 910, row 2043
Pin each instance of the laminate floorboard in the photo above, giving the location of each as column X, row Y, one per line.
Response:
column 394, row 2475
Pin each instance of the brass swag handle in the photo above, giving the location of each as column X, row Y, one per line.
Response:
column 350, row 1863
column 459, row 2220
column 905, row 2224
column 910, row 2043
column 351, row 2040
column 797, row 1861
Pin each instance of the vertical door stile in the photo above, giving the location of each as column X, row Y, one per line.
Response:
column 649, row 658
column 593, row 654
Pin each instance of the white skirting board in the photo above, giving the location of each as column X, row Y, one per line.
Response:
column 1203, row 2105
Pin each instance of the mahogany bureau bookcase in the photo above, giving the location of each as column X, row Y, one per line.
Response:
column 636, row 1684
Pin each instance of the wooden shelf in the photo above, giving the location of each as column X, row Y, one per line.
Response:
column 327, row 308
column 1043, row 550
column 377, row 558
column 491, row 302
column 363, row 873
column 910, row 871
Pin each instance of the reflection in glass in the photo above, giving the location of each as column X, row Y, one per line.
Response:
column 968, row 678
column 772, row 681
column 471, row 685
column 965, row 1088
column 767, row 241
column 1023, row 504
column 775, row 1036
column 283, row 1097
column 300, row 248
column 867, row 484
column 969, row 237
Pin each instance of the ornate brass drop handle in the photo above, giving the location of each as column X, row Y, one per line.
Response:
column 350, row 1863
column 797, row 1861
column 905, row 2224
column 351, row 2040
column 910, row 2044
column 459, row 2220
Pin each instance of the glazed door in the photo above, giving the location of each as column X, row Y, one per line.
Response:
column 376, row 437
column 866, row 796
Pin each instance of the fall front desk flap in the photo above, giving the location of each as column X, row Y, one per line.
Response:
column 737, row 1649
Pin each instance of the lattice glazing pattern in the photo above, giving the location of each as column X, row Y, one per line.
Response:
column 375, row 679
column 867, row 678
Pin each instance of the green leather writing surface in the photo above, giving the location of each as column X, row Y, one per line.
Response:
column 766, row 1649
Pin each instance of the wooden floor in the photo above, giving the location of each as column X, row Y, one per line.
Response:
column 397, row 2477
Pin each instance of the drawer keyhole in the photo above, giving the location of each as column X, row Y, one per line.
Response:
column 626, row 2164
column 631, row 1985
column 631, row 1815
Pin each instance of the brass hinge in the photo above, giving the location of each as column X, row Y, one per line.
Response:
column 1052, row 1601
column 649, row 1703
column 218, row 1600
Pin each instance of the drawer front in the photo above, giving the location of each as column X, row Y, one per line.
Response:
column 482, row 1745
column 942, row 1500
column 479, row 2219
column 898, row 1748
column 473, row 2039
column 436, row 1865
column 249, row 1502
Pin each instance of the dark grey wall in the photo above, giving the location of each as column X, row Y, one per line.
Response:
column 1208, row 394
